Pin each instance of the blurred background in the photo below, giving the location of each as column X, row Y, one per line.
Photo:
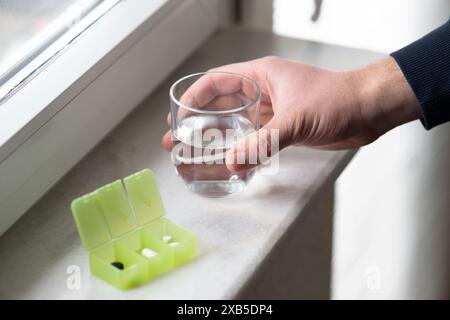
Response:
column 392, row 211
column 28, row 29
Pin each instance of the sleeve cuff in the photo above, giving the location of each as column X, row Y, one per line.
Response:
column 425, row 64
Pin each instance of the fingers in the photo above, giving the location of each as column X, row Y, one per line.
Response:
column 219, row 82
column 258, row 147
column 266, row 113
column 218, row 89
column 167, row 141
column 209, row 86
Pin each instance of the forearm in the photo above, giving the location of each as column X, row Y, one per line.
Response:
column 413, row 83
column 386, row 99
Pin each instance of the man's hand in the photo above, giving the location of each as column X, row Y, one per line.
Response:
column 323, row 109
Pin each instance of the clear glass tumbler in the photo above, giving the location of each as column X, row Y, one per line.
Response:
column 211, row 111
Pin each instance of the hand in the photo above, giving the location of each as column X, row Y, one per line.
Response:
column 323, row 109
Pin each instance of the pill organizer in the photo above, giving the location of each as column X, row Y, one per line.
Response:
column 121, row 223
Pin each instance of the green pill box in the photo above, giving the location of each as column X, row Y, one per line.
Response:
column 123, row 227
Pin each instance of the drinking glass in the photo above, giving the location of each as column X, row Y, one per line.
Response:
column 210, row 112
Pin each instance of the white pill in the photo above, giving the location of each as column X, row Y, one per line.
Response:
column 173, row 244
column 148, row 253
column 166, row 238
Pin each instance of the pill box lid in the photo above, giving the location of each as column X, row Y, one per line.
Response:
column 117, row 209
column 144, row 196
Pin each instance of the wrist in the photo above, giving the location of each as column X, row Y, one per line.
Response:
column 385, row 98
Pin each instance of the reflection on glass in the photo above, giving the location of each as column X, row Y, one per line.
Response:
column 28, row 28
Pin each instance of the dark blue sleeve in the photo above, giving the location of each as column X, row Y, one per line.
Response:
column 426, row 66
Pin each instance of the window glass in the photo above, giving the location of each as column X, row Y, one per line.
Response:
column 29, row 27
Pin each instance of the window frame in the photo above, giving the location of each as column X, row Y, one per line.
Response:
column 65, row 110
column 56, row 36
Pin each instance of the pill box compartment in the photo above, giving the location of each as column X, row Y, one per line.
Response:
column 163, row 259
column 182, row 245
column 117, row 221
column 134, row 272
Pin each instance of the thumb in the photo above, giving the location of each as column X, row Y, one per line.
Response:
column 257, row 147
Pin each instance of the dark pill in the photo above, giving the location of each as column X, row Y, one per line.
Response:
column 118, row 265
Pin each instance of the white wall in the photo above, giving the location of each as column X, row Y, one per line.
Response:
column 379, row 25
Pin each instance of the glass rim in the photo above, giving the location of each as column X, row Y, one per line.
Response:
column 233, row 110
